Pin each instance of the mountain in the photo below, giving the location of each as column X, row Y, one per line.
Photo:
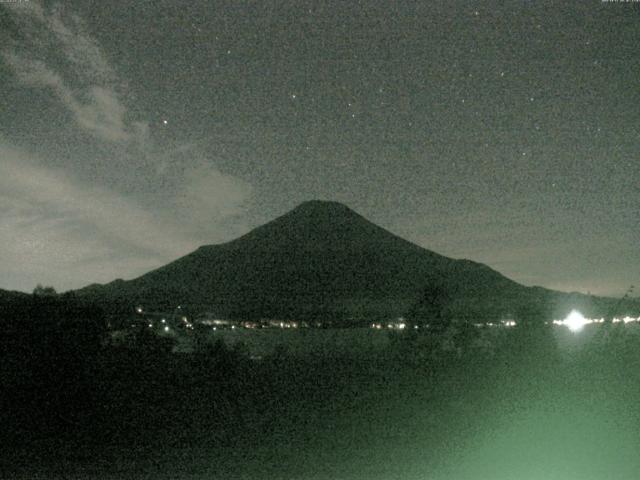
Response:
column 322, row 260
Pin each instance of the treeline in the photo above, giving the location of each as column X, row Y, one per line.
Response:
column 63, row 380
column 48, row 346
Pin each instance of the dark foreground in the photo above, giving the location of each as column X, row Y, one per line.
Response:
column 522, row 408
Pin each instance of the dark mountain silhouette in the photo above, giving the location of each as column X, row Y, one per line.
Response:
column 322, row 260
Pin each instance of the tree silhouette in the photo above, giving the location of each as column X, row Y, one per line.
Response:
column 432, row 308
column 41, row 291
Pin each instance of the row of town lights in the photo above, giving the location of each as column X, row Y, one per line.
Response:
column 575, row 322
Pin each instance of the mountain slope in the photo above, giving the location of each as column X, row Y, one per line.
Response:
column 321, row 260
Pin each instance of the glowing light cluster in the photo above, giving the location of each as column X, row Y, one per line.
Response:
column 398, row 324
column 629, row 319
column 575, row 321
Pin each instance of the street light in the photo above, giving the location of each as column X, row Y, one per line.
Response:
column 575, row 321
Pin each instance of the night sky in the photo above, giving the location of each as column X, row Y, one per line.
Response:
column 503, row 132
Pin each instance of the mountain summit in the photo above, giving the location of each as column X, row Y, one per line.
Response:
column 322, row 260
column 318, row 225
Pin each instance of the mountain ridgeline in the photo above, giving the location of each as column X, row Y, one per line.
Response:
column 323, row 261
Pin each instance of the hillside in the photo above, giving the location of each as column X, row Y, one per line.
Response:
column 323, row 260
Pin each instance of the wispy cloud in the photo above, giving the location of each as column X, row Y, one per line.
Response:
column 209, row 195
column 99, row 113
column 59, row 228
column 87, row 85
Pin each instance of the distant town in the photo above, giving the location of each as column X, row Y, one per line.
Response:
column 179, row 322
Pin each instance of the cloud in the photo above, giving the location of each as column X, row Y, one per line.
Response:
column 87, row 87
column 56, row 230
column 209, row 195
column 100, row 113
column 80, row 48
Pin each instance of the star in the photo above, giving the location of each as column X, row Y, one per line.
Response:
column 165, row 122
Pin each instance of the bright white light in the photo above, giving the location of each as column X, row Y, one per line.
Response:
column 575, row 321
column 166, row 329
